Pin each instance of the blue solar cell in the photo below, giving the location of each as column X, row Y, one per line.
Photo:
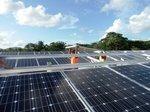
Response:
column 26, row 62
column 63, row 60
column 47, row 92
column 42, row 53
column 44, row 61
column 136, row 72
column 106, row 91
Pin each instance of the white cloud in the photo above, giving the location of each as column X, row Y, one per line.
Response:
column 36, row 16
column 116, row 27
column 116, row 5
column 141, row 22
column 7, row 6
column 7, row 41
column 68, row 22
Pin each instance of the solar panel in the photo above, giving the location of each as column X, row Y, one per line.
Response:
column 137, row 72
column 9, row 53
column 42, row 53
column 89, row 60
column 107, row 91
column 11, row 62
column 44, row 61
column 26, row 62
column 56, row 52
column 47, row 92
column 147, row 64
column 125, row 57
column 65, row 52
column 63, row 60
column 109, row 59
column 83, row 60
column 26, row 53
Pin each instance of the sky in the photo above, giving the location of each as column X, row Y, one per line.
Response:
column 71, row 21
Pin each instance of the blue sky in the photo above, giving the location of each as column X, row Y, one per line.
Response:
column 71, row 21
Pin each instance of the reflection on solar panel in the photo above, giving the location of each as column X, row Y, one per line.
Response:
column 107, row 91
column 83, row 60
column 147, row 64
column 87, row 59
column 65, row 52
column 26, row 62
column 127, row 57
column 11, row 62
column 44, row 61
column 63, row 60
column 47, row 92
column 109, row 59
column 42, row 53
column 137, row 72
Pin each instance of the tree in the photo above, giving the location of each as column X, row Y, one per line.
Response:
column 30, row 47
column 139, row 45
column 40, row 46
column 113, row 41
column 57, row 46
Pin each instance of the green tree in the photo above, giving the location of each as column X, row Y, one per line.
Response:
column 30, row 47
column 139, row 45
column 40, row 46
column 56, row 46
column 113, row 41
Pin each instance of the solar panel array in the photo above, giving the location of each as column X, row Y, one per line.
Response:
column 76, row 90
column 44, row 61
column 26, row 62
column 106, row 91
column 136, row 72
column 47, row 92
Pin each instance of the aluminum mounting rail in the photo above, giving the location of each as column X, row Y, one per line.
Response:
column 69, row 66
column 62, row 55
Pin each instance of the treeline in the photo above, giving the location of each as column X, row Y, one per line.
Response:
column 116, row 41
column 40, row 46
column 112, row 41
